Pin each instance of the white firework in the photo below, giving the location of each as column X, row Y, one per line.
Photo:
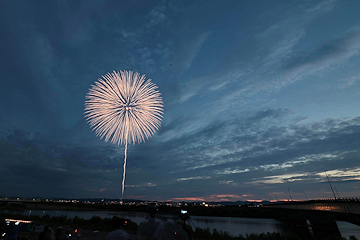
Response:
column 125, row 108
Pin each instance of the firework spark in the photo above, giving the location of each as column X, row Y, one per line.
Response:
column 125, row 108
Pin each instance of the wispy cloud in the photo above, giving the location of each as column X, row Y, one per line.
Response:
column 283, row 48
column 156, row 16
column 348, row 82
column 192, row 178
column 187, row 52
column 142, row 185
column 271, row 155
column 326, row 5
column 343, row 174
column 334, row 52
column 279, row 179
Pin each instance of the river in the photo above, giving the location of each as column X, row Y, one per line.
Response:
column 232, row 225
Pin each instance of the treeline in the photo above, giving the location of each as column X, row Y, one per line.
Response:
column 94, row 223
column 220, row 235
column 207, row 234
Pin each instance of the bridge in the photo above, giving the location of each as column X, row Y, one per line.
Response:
column 342, row 205
column 316, row 219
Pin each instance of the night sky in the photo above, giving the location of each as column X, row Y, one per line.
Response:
column 259, row 97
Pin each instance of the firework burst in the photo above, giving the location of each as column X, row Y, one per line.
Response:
column 124, row 108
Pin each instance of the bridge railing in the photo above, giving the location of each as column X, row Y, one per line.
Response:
column 343, row 199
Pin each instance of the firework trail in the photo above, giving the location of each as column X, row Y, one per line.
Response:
column 124, row 108
column 124, row 172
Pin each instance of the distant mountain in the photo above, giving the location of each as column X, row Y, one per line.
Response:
column 238, row 203
column 109, row 200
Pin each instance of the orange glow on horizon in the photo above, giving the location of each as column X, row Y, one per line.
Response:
column 189, row 199
column 216, row 198
column 254, row 200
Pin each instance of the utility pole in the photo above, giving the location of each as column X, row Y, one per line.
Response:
column 290, row 194
column 306, row 196
column 330, row 184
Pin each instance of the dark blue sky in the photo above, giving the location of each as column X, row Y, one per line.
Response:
column 259, row 97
